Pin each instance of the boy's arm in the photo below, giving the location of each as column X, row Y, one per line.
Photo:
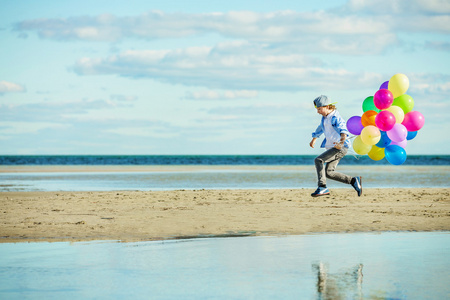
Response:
column 316, row 134
column 341, row 125
column 341, row 142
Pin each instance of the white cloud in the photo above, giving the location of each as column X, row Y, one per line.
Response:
column 19, row 127
column 431, row 16
column 434, row 85
column 432, row 88
column 221, row 95
column 286, row 111
column 336, row 27
column 399, row 6
column 237, row 67
column 143, row 132
column 9, row 87
column 121, row 101
column 57, row 111
column 438, row 45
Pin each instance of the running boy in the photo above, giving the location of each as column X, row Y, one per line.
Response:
column 336, row 142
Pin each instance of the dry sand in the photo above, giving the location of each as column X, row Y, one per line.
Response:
column 139, row 215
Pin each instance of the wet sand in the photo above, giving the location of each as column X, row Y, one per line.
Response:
column 141, row 215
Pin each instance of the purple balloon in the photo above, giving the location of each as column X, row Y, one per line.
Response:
column 384, row 85
column 354, row 125
column 401, row 144
column 398, row 133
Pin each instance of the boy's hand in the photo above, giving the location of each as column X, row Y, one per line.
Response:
column 338, row 145
column 313, row 141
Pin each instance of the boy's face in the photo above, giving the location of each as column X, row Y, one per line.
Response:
column 323, row 110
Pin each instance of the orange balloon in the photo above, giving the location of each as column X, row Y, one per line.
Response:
column 368, row 118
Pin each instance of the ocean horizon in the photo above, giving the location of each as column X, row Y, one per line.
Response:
column 349, row 159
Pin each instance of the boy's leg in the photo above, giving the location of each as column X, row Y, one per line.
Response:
column 331, row 167
column 321, row 160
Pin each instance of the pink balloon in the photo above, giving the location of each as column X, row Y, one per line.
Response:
column 413, row 121
column 401, row 144
column 383, row 99
column 398, row 133
column 385, row 120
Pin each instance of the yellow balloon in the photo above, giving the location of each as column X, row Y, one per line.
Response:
column 399, row 114
column 376, row 153
column 398, row 84
column 360, row 147
column 370, row 135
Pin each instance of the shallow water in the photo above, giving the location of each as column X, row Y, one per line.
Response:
column 220, row 177
column 396, row 265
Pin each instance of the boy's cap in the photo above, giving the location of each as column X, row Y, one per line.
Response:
column 320, row 101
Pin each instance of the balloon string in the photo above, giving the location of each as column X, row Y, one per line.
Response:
column 350, row 150
column 353, row 153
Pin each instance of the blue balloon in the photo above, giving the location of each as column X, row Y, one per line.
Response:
column 384, row 140
column 395, row 155
column 411, row 135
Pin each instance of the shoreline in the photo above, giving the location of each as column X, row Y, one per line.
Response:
column 130, row 216
column 199, row 236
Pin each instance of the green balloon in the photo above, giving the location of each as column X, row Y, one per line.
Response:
column 369, row 105
column 405, row 102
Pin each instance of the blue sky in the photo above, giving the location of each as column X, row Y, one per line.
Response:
column 211, row 77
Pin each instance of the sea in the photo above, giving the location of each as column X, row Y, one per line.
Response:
column 429, row 160
column 374, row 265
column 175, row 172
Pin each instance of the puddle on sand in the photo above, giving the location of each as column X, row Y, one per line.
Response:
column 392, row 265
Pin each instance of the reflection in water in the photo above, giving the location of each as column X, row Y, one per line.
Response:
column 337, row 286
column 397, row 265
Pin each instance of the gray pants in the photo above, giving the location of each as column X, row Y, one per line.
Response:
column 326, row 164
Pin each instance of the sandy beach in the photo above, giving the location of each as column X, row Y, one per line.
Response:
column 154, row 215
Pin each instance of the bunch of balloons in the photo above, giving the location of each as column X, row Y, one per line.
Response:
column 387, row 123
